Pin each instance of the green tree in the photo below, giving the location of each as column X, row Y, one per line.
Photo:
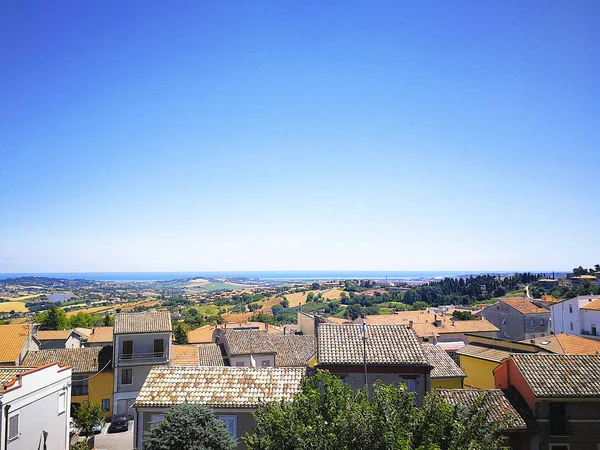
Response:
column 189, row 427
column 419, row 306
column 354, row 311
column 285, row 303
column 88, row 415
column 328, row 414
column 81, row 319
column 180, row 334
column 53, row 319
column 108, row 320
column 310, row 297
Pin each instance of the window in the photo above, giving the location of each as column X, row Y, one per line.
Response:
column 559, row 447
column 239, row 364
column 13, row 427
column 503, row 321
column 62, row 403
column 159, row 348
column 80, row 385
column 126, row 376
column 571, row 326
column 532, row 323
column 594, row 331
column 542, row 322
column 231, row 423
column 127, row 349
column 155, row 418
column 411, row 384
column 571, row 309
column 558, row 419
column 266, row 363
column 106, row 404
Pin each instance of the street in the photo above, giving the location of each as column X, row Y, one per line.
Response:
column 115, row 441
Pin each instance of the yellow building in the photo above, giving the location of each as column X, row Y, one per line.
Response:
column 92, row 372
column 445, row 373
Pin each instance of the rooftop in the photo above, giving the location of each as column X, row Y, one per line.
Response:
column 247, row 342
column 523, row 305
column 13, row 339
column 144, row 322
column 500, row 407
column 293, row 350
column 225, row 387
column 385, row 345
column 82, row 360
column 423, row 323
column 567, row 344
column 7, row 374
column 443, row 365
column 195, row 355
column 210, row 355
column 594, row 305
column 551, row 375
column 52, row 335
column 101, row 335
column 481, row 352
column 201, row 335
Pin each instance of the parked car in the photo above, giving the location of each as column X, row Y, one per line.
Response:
column 118, row 423
column 95, row 429
column 72, row 428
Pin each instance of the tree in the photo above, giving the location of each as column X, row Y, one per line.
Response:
column 419, row 306
column 463, row 315
column 53, row 319
column 189, row 427
column 354, row 311
column 108, row 320
column 180, row 334
column 88, row 415
column 285, row 303
column 327, row 414
column 309, row 297
column 81, row 319
column 315, row 286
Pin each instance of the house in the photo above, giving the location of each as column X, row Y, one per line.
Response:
column 84, row 334
column 445, row 373
column 565, row 344
column 580, row 280
column 92, row 370
column 100, row 336
column 205, row 334
column 563, row 393
column 391, row 353
column 246, row 348
column 292, row 350
column 196, row 355
column 53, row 339
column 505, row 406
column 436, row 328
column 568, row 317
column 233, row 393
column 36, row 407
column 548, row 283
column 518, row 318
column 16, row 341
column 482, row 355
column 140, row 341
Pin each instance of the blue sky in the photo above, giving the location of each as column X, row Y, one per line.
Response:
column 166, row 136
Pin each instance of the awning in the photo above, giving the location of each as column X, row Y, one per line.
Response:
column 451, row 346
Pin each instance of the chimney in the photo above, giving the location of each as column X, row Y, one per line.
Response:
column 532, row 341
column 93, row 330
column 267, row 327
column 410, row 324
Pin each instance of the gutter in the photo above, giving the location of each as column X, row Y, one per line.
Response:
column 6, row 408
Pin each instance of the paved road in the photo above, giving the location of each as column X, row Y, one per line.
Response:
column 115, row 441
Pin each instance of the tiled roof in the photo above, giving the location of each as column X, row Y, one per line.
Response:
column 227, row 387
column 592, row 306
column 210, row 355
column 184, row 355
column 83, row 332
column 386, row 345
column 293, row 350
column 443, row 365
column 7, row 374
column 83, row 360
column 490, row 354
column 523, row 305
column 201, row 335
column 247, row 342
column 51, row 335
column 144, row 322
column 12, row 339
column 423, row 323
column 101, row 334
column 567, row 344
column 495, row 400
column 550, row 375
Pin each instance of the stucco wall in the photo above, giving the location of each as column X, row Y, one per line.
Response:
column 247, row 361
column 479, row 372
column 447, row 383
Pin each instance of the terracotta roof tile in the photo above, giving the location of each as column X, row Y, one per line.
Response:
column 101, row 335
column 551, row 375
column 480, row 352
column 13, row 339
column 210, row 355
column 229, row 387
column 184, row 355
column 144, row 322
column 494, row 399
column 82, row 360
column 567, row 344
column 247, row 342
column 423, row 323
column 443, row 365
column 592, row 306
column 386, row 345
column 7, row 374
column 51, row 335
column 293, row 350
column 201, row 335
column 523, row 305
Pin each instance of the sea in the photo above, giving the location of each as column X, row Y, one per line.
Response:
column 252, row 275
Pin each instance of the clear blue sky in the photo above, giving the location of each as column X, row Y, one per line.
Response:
column 261, row 135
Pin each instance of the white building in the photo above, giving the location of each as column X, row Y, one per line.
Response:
column 576, row 315
column 36, row 407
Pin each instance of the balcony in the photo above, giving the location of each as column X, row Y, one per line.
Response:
column 140, row 359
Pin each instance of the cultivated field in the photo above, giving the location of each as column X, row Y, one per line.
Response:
column 332, row 294
column 10, row 306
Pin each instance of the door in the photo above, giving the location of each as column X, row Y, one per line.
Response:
column 159, row 348
column 127, row 349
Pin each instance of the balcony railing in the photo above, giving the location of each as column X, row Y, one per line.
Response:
column 132, row 359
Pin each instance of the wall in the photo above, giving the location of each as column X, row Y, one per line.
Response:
column 582, row 427
column 479, row 372
column 258, row 360
column 507, row 374
column 101, row 387
column 590, row 318
column 245, row 422
column 142, row 343
column 36, row 402
column 447, row 383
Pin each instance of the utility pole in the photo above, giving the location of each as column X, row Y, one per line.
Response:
column 364, row 337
